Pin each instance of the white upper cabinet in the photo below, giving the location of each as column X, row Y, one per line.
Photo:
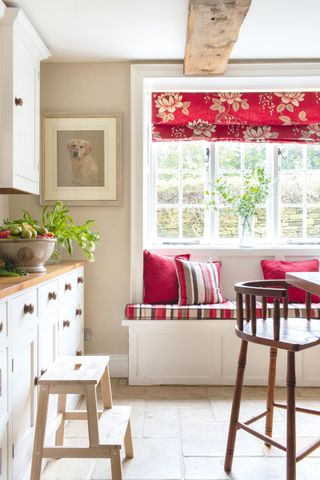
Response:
column 21, row 50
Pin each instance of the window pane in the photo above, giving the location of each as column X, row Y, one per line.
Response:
column 291, row 222
column 254, row 156
column 193, row 188
column 233, row 180
column 229, row 157
column 291, row 187
column 260, row 226
column 291, row 157
column 313, row 187
column 193, row 156
column 168, row 188
column 168, row 156
column 313, row 222
column 193, row 222
column 168, row 222
column 313, row 156
column 228, row 223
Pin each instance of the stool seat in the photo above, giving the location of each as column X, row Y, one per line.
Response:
column 108, row 428
column 295, row 333
column 80, row 369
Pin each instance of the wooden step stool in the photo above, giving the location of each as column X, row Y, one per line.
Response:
column 107, row 429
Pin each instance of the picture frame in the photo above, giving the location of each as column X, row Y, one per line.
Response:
column 81, row 159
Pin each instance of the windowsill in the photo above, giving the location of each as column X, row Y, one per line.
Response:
column 228, row 250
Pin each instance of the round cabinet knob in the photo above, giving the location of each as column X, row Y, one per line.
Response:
column 68, row 286
column 52, row 296
column 80, row 279
column 18, row 102
column 79, row 353
column 28, row 308
column 1, row 327
column 78, row 312
column 66, row 323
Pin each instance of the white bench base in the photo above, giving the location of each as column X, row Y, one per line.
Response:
column 204, row 352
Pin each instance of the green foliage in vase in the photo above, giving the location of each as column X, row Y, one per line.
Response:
column 56, row 219
column 255, row 190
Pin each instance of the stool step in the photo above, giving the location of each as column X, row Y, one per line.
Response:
column 75, row 370
column 67, row 469
column 113, row 425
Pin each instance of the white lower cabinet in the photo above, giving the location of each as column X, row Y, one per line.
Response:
column 32, row 337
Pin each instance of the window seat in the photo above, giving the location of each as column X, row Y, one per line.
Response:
column 195, row 345
column 218, row 311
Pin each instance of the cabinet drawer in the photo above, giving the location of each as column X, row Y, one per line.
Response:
column 3, row 383
column 23, row 310
column 3, row 322
column 48, row 299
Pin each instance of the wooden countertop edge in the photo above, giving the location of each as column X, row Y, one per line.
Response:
column 11, row 285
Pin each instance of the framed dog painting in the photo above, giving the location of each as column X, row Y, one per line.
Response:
column 81, row 159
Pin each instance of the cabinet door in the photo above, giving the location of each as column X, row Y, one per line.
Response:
column 24, row 399
column 25, row 119
column 4, row 440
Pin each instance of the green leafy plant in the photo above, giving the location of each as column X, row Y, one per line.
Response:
column 57, row 220
column 255, row 191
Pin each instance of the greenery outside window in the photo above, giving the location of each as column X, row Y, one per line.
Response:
column 182, row 171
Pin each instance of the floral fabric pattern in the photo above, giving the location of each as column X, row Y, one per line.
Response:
column 235, row 116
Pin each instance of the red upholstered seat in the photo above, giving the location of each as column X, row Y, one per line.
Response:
column 217, row 311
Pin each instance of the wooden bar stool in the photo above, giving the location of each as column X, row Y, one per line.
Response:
column 108, row 429
column 293, row 335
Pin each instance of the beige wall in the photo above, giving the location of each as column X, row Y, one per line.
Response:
column 96, row 88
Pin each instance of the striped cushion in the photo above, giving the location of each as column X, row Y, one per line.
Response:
column 217, row 311
column 199, row 283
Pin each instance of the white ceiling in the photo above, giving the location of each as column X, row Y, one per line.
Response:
column 112, row 30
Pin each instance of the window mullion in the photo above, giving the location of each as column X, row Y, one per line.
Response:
column 276, row 207
column 180, row 195
column 304, row 198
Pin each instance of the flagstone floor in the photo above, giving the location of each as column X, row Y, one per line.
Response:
column 179, row 433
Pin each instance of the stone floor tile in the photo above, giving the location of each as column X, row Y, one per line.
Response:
column 195, row 415
column 69, row 469
column 210, row 439
column 160, row 422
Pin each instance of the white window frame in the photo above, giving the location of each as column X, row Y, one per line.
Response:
column 158, row 77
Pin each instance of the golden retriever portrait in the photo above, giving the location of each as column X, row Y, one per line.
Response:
column 83, row 166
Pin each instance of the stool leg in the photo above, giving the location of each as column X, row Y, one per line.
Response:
column 291, row 417
column 62, row 400
column 40, row 431
column 128, row 445
column 106, row 389
column 270, row 394
column 116, row 467
column 236, row 406
column 91, row 398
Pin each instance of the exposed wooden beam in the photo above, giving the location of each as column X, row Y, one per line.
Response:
column 213, row 28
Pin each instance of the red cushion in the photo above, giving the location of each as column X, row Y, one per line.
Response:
column 277, row 269
column 160, row 278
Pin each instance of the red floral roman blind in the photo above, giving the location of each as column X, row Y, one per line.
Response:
column 241, row 117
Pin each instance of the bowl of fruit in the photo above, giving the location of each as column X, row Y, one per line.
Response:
column 26, row 246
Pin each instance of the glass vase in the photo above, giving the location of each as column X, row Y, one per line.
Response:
column 247, row 232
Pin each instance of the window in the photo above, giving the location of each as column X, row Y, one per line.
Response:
column 182, row 171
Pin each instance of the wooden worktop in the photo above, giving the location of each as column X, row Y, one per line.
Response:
column 10, row 285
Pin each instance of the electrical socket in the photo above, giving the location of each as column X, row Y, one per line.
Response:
column 87, row 334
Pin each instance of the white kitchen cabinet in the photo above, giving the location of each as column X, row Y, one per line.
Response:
column 21, row 50
column 30, row 340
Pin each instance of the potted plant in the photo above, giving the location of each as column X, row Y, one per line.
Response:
column 255, row 191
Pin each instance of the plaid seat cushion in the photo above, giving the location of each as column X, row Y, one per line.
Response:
column 217, row 311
